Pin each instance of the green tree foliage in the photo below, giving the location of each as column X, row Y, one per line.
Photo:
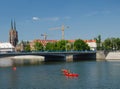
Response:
column 38, row 46
column 118, row 43
column 69, row 46
column 49, row 46
column 107, row 44
column 62, row 45
column 57, row 46
column 111, row 44
column 81, row 45
column 99, row 43
column 27, row 48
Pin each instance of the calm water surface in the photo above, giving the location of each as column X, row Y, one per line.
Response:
column 93, row 75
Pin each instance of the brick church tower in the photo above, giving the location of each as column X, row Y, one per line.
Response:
column 13, row 34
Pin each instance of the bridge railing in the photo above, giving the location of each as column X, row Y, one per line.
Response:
column 65, row 52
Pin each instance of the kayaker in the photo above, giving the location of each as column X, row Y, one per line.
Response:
column 65, row 71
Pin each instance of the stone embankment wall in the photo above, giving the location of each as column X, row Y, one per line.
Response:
column 113, row 56
column 102, row 55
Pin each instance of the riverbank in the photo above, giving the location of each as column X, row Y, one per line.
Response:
column 113, row 56
column 110, row 56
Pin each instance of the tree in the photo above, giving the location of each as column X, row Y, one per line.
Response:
column 111, row 44
column 80, row 45
column 38, row 46
column 69, row 46
column 98, row 41
column 27, row 48
column 49, row 46
column 118, row 43
column 61, row 45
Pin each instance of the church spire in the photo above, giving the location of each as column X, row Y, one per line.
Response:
column 13, row 34
column 11, row 24
column 14, row 25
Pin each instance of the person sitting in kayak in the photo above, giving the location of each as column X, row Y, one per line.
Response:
column 65, row 71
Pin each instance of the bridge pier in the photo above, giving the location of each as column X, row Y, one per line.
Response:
column 69, row 58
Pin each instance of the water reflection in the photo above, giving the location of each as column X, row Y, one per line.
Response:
column 9, row 61
column 5, row 62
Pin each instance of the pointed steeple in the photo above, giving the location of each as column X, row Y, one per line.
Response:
column 14, row 25
column 13, row 34
column 11, row 25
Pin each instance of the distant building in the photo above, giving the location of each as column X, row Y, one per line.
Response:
column 92, row 44
column 20, row 47
column 6, row 47
column 13, row 34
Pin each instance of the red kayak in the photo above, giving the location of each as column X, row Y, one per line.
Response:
column 71, row 74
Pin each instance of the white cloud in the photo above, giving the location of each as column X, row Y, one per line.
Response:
column 46, row 19
column 35, row 18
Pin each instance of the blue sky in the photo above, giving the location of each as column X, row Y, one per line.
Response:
column 86, row 18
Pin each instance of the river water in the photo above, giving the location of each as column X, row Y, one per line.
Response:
column 92, row 75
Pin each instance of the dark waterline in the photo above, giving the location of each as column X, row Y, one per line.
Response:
column 93, row 75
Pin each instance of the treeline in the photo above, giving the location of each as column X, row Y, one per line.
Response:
column 109, row 44
column 62, row 45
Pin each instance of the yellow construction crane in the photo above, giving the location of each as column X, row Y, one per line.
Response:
column 44, row 36
column 62, row 29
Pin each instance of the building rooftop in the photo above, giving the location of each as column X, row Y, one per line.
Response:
column 6, row 45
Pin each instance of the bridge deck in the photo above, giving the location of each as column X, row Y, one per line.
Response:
column 64, row 53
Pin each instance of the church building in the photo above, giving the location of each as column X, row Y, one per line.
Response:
column 13, row 34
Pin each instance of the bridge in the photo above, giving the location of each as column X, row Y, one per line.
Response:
column 55, row 54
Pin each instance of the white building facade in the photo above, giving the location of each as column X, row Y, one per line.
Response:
column 92, row 44
column 6, row 47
